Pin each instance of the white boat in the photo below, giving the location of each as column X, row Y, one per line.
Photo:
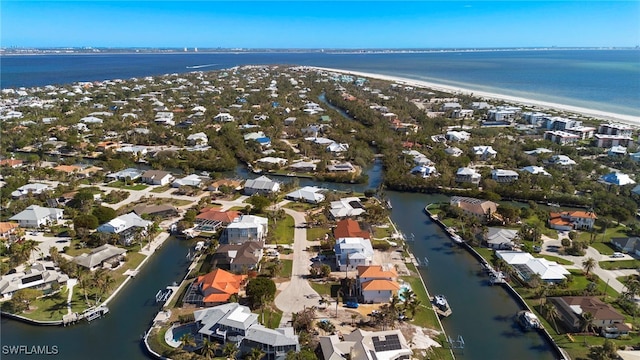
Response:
column 496, row 277
column 528, row 320
column 93, row 313
column 441, row 302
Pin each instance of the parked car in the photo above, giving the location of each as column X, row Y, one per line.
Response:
column 351, row 304
column 617, row 255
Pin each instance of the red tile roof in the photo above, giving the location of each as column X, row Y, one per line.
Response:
column 219, row 285
column 213, row 214
column 349, row 228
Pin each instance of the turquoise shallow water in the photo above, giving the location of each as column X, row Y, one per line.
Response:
column 607, row 80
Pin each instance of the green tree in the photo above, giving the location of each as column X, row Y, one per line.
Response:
column 104, row 214
column 85, row 221
column 255, row 354
column 259, row 203
column 588, row 265
column 22, row 299
column 230, row 350
column 209, row 348
column 260, row 290
column 304, row 354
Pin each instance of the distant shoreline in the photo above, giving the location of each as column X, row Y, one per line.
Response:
column 536, row 104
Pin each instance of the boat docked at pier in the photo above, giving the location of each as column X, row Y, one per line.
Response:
column 496, row 277
column 528, row 320
column 93, row 313
column 441, row 305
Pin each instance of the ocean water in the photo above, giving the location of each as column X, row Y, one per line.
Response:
column 607, row 80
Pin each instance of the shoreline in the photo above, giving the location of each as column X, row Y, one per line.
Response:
column 538, row 105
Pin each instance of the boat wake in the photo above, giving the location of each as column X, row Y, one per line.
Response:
column 200, row 66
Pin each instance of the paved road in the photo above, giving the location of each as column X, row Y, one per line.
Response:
column 297, row 294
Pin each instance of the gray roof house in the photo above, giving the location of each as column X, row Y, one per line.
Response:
column 125, row 226
column 500, row 239
column 100, row 256
column 130, row 173
column 629, row 245
column 366, row 345
column 235, row 323
column 40, row 276
column 261, row 185
column 35, row 216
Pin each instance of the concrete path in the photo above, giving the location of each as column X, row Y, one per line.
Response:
column 70, row 284
column 297, row 294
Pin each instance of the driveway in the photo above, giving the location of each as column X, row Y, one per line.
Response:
column 296, row 294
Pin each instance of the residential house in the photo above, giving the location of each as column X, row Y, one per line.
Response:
column 214, row 288
column 198, row 139
column 12, row 163
column 341, row 167
column 233, row 184
column 561, row 161
column 349, row 228
column 616, row 151
column 262, row 185
column 308, row 194
column 377, row 284
column 346, row 207
column 629, row 245
column 526, row 265
column 156, row 177
column 483, row 210
column 36, row 216
column 337, row 147
column 615, row 129
column 103, row 256
column 303, row 166
column 7, row 229
column 40, row 276
column 223, row 117
column 504, row 176
column 192, row 180
column 453, row 151
column 616, row 178
column 468, row 175
column 572, row 220
column 272, row 161
column 459, row 136
column 366, row 345
column 33, row 189
column 236, row 323
column 238, row 258
column 246, row 228
column 211, row 219
column 538, row 151
column 126, row 174
column 160, row 211
column 352, row 252
column 125, row 226
column 571, row 308
column 535, row 170
column 424, row 171
column 500, row 239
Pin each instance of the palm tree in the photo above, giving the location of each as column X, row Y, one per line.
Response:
column 209, row 348
column 103, row 281
column 586, row 323
column 552, row 314
column 230, row 350
column 187, row 340
column 588, row 264
column 255, row 354
column 55, row 254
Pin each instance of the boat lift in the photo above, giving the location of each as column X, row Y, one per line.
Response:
column 163, row 295
column 456, row 344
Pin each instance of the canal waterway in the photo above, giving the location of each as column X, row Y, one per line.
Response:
column 118, row 334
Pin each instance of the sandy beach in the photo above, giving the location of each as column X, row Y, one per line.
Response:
column 528, row 103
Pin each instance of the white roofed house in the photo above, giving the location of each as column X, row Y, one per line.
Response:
column 156, row 177
column 526, row 265
column 561, row 137
column 535, row 170
column 457, row 136
column 504, row 176
column 262, row 185
column 616, row 178
column 352, row 252
column 36, row 216
column 337, row 147
column 246, row 228
column 40, row 276
column 366, row 345
column 189, row 180
column 103, row 256
column 91, row 120
column 500, row 239
column 346, row 207
column 223, row 117
column 309, row 194
column 198, row 139
column 468, row 175
column 617, row 151
column 561, row 160
column 424, row 171
column 164, row 118
column 32, row 188
column 484, row 152
column 125, row 226
column 453, row 151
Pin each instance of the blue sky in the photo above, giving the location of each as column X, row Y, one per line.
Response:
column 327, row 24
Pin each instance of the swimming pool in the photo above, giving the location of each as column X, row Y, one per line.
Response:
column 403, row 287
column 173, row 336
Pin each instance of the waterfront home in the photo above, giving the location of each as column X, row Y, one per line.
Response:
column 262, row 185
column 32, row 188
column 238, row 258
column 483, row 210
column 526, row 265
column 135, row 150
column 504, row 176
column 346, row 207
column 36, row 216
column 458, row 136
column 349, row 228
column 337, row 147
column 101, row 257
column 214, row 288
column 236, row 323
column 571, row 308
column 352, row 252
column 126, row 174
column 156, row 177
column 272, row 161
column 341, row 167
column 468, row 175
column 418, row 157
column 572, row 220
column 366, row 345
column 232, row 184
column 308, row 194
column 125, row 226
column 39, row 276
column 500, row 239
column 629, row 245
column 616, row 178
column 211, row 219
column 377, row 284
column 192, row 180
column 160, row 211
column 561, row 137
column 303, row 166
column 246, row 228
column 535, row 170
column 424, row 171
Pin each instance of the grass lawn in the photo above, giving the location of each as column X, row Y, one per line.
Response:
column 326, row 289
column 613, row 231
column 72, row 251
column 382, row 232
column 622, row 264
column 300, row 206
column 603, row 248
column 157, row 343
column 161, row 189
column 425, row 316
column 287, row 268
column 284, row 231
column 486, row 253
column 121, row 185
column 450, row 222
column 270, row 317
column 133, row 260
column 317, row 233
column 559, row 260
